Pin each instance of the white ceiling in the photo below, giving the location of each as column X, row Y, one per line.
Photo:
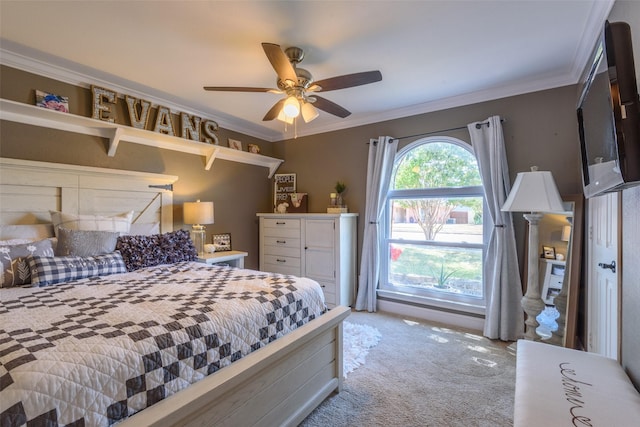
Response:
column 432, row 54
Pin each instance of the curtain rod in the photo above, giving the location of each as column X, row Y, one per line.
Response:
column 478, row 126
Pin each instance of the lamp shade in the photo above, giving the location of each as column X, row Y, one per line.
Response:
column 534, row 191
column 198, row 212
column 284, row 118
column 291, row 107
column 566, row 233
column 309, row 112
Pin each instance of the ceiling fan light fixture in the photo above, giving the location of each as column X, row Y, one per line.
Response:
column 284, row 118
column 291, row 107
column 309, row 112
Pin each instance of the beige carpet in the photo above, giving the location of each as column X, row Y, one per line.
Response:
column 422, row 374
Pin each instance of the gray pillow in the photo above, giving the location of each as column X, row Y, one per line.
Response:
column 15, row 267
column 85, row 243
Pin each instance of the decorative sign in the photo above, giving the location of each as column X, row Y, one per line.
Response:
column 139, row 110
column 284, row 183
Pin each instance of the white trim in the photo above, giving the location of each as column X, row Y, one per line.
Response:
column 424, row 313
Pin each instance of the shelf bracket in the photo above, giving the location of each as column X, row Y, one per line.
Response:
column 114, row 141
column 210, row 157
column 273, row 168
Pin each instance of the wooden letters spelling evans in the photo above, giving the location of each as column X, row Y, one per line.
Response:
column 191, row 127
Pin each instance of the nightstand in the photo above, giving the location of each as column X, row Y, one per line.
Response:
column 552, row 278
column 233, row 258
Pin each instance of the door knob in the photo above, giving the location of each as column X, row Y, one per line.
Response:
column 612, row 266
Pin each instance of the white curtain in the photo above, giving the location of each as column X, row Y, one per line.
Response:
column 382, row 153
column 504, row 316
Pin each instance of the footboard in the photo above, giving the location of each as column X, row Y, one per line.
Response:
column 279, row 384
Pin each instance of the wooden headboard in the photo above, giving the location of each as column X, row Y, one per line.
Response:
column 29, row 190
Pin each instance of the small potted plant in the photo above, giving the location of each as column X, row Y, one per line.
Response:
column 340, row 188
column 337, row 201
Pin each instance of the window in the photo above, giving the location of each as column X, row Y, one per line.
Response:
column 433, row 234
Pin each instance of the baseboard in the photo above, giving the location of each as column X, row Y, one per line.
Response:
column 454, row 319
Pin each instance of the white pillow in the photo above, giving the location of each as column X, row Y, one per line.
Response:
column 120, row 223
column 145, row 228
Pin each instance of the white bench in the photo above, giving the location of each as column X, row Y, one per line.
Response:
column 556, row 386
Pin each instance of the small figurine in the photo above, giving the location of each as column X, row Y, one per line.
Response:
column 282, row 207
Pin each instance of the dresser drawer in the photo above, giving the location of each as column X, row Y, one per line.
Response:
column 555, row 281
column 281, row 269
column 282, row 223
column 282, row 251
column 282, row 233
column 282, row 260
column 282, row 241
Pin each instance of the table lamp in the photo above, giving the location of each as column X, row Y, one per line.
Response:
column 534, row 192
column 198, row 213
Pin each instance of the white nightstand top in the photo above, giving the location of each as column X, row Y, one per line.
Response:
column 225, row 256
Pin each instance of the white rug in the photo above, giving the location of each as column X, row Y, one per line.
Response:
column 357, row 340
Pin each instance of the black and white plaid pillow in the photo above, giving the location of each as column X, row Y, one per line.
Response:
column 51, row 270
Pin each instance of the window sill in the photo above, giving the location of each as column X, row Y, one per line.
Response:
column 468, row 309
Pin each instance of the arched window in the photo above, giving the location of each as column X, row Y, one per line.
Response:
column 433, row 234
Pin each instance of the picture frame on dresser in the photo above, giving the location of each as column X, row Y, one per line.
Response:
column 549, row 252
column 222, row 242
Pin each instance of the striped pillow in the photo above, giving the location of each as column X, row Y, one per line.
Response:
column 51, row 270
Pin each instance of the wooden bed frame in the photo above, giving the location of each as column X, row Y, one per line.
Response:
column 279, row 384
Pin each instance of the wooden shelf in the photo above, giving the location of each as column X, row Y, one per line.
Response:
column 116, row 133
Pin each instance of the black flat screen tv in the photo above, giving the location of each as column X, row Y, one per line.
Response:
column 609, row 115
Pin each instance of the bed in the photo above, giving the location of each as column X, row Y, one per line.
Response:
column 286, row 361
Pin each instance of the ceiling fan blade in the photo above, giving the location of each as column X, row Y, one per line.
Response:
column 273, row 112
column 330, row 107
column 280, row 62
column 237, row 89
column 349, row 80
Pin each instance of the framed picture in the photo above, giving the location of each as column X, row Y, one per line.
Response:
column 283, row 184
column 549, row 252
column 222, row 242
column 253, row 148
column 52, row 101
column 235, row 144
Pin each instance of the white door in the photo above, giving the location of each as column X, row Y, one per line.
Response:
column 603, row 277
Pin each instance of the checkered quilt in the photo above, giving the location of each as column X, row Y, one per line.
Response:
column 94, row 351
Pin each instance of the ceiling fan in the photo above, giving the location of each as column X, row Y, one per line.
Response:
column 300, row 88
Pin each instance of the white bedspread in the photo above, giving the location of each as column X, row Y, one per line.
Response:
column 95, row 351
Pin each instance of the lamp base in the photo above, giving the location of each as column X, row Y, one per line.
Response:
column 198, row 235
column 532, row 302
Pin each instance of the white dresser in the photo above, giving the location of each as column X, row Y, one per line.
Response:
column 319, row 246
